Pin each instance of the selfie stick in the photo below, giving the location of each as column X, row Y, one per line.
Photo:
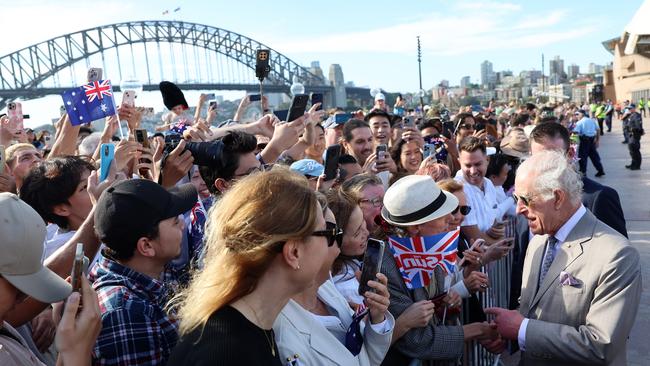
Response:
column 420, row 73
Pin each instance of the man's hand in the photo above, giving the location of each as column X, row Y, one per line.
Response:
column 497, row 250
column 199, row 132
column 177, row 165
column 508, row 322
column 417, row 315
column 453, row 299
column 125, row 150
column 43, row 330
column 477, row 281
column 95, row 187
column 265, row 125
column 496, row 346
column 410, row 133
column 132, row 115
column 110, row 128
column 6, row 181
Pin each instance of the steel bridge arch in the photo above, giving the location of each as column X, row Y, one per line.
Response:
column 25, row 69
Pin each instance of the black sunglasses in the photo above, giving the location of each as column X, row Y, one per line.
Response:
column 332, row 233
column 465, row 210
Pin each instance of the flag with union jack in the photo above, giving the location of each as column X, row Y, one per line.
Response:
column 417, row 257
column 89, row 102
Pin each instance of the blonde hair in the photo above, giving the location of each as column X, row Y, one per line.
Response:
column 450, row 185
column 245, row 231
column 11, row 151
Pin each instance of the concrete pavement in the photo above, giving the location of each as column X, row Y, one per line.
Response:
column 634, row 190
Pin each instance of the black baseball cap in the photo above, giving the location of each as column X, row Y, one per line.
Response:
column 130, row 209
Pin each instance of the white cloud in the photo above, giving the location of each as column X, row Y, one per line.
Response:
column 448, row 34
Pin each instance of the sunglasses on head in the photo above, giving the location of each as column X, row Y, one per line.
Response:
column 464, row 210
column 332, row 233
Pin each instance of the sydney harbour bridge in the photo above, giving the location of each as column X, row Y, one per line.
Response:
column 195, row 56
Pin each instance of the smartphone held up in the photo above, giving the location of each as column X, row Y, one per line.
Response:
column 371, row 264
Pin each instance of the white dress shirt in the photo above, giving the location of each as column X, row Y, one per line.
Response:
column 483, row 203
column 561, row 236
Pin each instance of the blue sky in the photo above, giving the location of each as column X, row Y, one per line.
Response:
column 374, row 41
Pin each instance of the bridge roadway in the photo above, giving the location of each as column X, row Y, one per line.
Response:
column 634, row 190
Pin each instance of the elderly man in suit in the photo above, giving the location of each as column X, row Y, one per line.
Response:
column 581, row 279
column 601, row 200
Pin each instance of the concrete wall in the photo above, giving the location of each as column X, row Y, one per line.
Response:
column 631, row 72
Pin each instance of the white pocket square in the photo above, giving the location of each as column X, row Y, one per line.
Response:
column 566, row 279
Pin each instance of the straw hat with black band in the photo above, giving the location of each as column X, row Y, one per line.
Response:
column 415, row 200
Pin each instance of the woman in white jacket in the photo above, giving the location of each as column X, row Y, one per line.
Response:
column 312, row 327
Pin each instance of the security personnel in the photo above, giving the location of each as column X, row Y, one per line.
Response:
column 634, row 133
column 642, row 105
column 589, row 134
column 600, row 115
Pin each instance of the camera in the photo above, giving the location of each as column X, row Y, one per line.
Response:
column 204, row 153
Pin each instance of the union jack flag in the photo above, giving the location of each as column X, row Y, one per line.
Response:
column 98, row 89
column 417, row 257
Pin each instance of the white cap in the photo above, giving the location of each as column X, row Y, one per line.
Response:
column 379, row 96
column 21, row 250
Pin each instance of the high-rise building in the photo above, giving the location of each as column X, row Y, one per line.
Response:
column 444, row 83
column 464, row 82
column 315, row 69
column 572, row 71
column 486, row 71
column 556, row 70
column 338, row 82
column 595, row 69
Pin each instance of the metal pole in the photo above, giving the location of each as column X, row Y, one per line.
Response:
column 420, row 74
column 543, row 77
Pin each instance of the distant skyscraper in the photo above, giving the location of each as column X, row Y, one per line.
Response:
column 464, row 82
column 486, row 71
column 315, row 69
column 556, row 70
column 572, row 71
column 338, row 82
column 444, row 83
column 595, row 69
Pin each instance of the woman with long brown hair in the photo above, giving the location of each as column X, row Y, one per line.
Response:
column 265, row 242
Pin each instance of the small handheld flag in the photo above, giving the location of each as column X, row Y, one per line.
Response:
column 89, row 102
column 417, row 257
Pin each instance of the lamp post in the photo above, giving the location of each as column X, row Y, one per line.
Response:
column 420, row 73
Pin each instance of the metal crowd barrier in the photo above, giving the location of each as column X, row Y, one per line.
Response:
column 497, row 295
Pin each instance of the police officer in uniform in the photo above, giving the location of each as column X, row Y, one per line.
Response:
column 587, row 129
column 634, row 133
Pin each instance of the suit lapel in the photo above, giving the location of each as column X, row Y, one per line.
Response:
column 536, row 250
column 570, row 250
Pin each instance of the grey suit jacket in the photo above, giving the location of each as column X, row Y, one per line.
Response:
column 587, row 323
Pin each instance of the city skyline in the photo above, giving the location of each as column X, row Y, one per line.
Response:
column 456, row 35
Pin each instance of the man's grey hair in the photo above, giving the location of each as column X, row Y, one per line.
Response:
column 552, row 171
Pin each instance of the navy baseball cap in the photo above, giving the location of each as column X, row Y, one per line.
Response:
column 128, row 210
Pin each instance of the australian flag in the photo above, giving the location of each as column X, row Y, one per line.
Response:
column 89, row 102
column 417, row 257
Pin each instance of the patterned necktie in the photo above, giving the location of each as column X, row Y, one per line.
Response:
column 353, row 337
column 548, row 258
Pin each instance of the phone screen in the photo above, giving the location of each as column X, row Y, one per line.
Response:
column 371, row 264
column 254, row 98
column 141, row 137
column 332, row 161
column 2, row 158
column 317, row 98
column 342, row 117
column 381, row 151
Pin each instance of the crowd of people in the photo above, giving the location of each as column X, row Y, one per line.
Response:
column 232, row 244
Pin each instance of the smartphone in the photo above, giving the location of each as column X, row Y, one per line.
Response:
column 128, row 98
column 95, row 74
column 141, row 137
column 282, row 114
column 262, row 64
column 15, row 114
column 342, row 117
column 2, row 158
column 77, row 268
column 171, row 141
column 409, row 121
column 254, row 97
column 213, row 104
column 317, row 98
column 298, row 107
column 381, row 150
column 107, row 154
column 62, row 110
column 371, row 264
column 332, row 161
column 429, row 149
column 210, row 96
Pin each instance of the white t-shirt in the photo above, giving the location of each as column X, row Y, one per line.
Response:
column 483, row 203
column 347, row 284
column 56, row 238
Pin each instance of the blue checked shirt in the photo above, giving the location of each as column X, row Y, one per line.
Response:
column 136, row 330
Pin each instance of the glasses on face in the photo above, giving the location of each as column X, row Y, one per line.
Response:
column 466, row 126
column 464, row 210
column 375, row 202
column 332, row 233
column 257, row 169
column 525, row 199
